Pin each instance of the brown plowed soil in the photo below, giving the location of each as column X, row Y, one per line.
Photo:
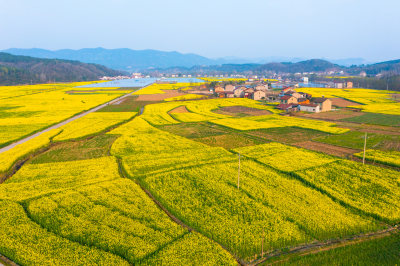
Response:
column 339, row 102
column 326, row 148
column 242, row 110
column 180, row 109
column 159, row 97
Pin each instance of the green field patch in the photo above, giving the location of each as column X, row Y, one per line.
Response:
column 230, row 141
column 194, row 130
column 355, row 140
column 91, row 148
column 375, row 119
column 128, row 104
column 287, row 135
column 19, row 114
column 241, row 111
column 381, row 251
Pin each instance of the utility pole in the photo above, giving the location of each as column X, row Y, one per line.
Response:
column 238, row 183
column 262, row 244
column 387, row 83
column 365, row 145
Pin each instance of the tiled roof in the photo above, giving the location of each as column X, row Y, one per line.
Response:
column 286, row 97
column 319, row 100
column 284, row 106
column 309, row 105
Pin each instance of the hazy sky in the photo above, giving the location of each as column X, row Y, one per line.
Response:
column 330, row 29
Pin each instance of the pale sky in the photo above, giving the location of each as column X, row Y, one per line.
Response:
column 332, row 29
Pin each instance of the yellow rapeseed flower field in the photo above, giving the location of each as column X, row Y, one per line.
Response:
column 26, row 109
column 91, row 123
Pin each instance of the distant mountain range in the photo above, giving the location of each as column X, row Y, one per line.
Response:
column 25, row 70
column 138, row 60
column 314, row 65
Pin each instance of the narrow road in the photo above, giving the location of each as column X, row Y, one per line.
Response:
column 12, row 145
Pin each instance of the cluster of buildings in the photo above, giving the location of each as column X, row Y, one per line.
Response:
column 342, row 85
column 293, row 101
column 256, row 92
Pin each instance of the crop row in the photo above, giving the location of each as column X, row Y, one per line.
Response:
column 391, row 158
column 74, row 216
column 27, row 243
column 202, row 110
column 268, row 205
column 85, row 207
column 30, row 108
column 371, row 189
column 284, row 157
column 91, row 123
column 273, row 121
column 34, row 180
column 9, row 157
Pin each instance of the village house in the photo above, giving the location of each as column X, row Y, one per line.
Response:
column 259, row 95
column 339, row 85
column 287, row 99
column 261, row 87
column 313, row 108
column 239, row 92
column 349, row 84
column 286, row 91
column 303, row 101
column 287, row 107
column 272, row 96
column 324, row 103
column 248, row 95
column 218, row 89
column 229, row 94
column 295, row 94
column 249, row 90
column 229, row 87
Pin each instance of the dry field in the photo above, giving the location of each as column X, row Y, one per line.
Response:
column 326, row 148
column 339, row 102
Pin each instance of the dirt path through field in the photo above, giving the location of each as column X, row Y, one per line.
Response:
column 179, row 110
column 4, row 261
